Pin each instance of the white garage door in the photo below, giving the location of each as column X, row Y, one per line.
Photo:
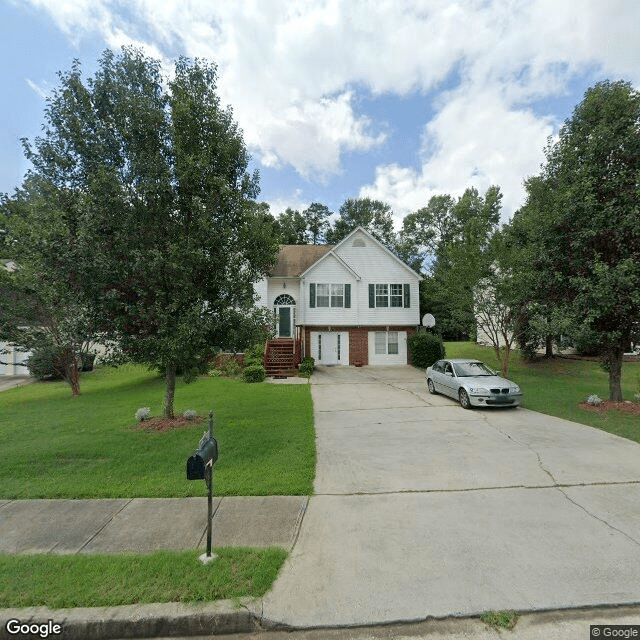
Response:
column 387, row 347
column 330, row 347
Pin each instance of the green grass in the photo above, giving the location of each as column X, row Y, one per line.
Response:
column 56, row 446
column 62, row 581
column 556, row 386
column 500, row 619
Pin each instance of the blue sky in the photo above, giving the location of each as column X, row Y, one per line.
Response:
column 397, row 100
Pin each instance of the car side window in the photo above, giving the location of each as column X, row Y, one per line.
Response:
column 448, row 369
column 438, row 366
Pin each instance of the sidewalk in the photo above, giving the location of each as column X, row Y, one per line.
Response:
column 144, row 525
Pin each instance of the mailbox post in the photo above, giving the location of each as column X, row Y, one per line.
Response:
column 200, row 466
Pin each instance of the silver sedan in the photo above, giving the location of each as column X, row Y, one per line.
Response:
column 472, row 383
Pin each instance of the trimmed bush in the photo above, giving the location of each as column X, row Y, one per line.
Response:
column 426, row 348
column 254, row 373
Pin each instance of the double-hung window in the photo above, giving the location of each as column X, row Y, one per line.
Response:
column 389, row 295
column 386, row 343
column 329, row 295
column 322, row 295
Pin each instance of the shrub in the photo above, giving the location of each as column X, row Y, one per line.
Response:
column 594, row 400
column 426, row 348
column 46, row 361
column 306, row 366
column 229, row 367
column 143, row 413
column 190, row 414
column 254, row 355
column 254, row 373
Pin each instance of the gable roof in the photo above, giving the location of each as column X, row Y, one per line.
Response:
column 294, row 259
column 373, row 239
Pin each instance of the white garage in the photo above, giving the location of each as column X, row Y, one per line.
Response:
column 387, row 347
column 330, row 347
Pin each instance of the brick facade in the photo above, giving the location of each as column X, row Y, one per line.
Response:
column 358, row 340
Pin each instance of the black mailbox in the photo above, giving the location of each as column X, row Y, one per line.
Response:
column 207, row 453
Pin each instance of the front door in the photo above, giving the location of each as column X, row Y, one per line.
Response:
column 284, row 322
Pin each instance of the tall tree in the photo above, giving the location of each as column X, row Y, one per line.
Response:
column 292, row 227
column 316, row 216
column 372, row 215
column 169, row 237
column 590, row 235
column 462, row 257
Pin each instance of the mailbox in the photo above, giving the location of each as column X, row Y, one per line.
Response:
column 207, row 453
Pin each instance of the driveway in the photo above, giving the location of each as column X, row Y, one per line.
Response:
column 424, row 509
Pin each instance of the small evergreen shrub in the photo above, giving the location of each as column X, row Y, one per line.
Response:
column 306, row 366
column 426, row 348
column 143, row 413
column 190, row 414
column 254, row 373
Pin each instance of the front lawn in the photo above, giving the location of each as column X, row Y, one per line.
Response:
column 56, row 446
column 65, row 581
column 556, row 386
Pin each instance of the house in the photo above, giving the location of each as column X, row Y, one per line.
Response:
column 354, row 303
column 12, row 360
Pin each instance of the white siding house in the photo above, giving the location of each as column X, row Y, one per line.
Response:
column 352, row 303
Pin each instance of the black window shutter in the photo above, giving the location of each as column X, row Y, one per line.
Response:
column 407, row 296
column 347, row 296
column 372, row 296
column 312, row 295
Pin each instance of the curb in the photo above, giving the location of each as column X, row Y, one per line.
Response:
column 131, row 621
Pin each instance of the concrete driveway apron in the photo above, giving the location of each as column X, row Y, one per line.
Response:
column 424, row 509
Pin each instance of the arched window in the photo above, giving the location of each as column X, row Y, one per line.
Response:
column 284, row 299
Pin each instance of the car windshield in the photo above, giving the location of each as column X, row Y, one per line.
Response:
column 465, row 369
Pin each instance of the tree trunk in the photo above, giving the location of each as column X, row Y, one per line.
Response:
column 171, row 390
column 71, row 374
column 548, row 347
column 505, row 360
column 615, row 374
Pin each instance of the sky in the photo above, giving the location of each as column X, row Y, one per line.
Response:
column 396, row 100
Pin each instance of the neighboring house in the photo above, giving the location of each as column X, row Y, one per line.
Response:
column 351, row 303
column 12, row 362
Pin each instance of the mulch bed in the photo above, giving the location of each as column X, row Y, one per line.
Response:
column 167, row 424
column 608, row 405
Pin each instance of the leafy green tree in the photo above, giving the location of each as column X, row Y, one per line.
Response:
column 40, row 311
column 421, row 231
column 169, row 237
column 587, row 233
column 372, row 215
column 463, row 256
column 292, row 227
column 316, row 217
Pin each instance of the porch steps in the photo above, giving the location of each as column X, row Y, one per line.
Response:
column 282, row 357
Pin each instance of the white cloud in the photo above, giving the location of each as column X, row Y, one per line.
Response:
column 291, row 70
column 36, row 88
column 475, row 140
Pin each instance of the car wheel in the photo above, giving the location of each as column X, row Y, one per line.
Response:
column 465, row 403
column 432, row 388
